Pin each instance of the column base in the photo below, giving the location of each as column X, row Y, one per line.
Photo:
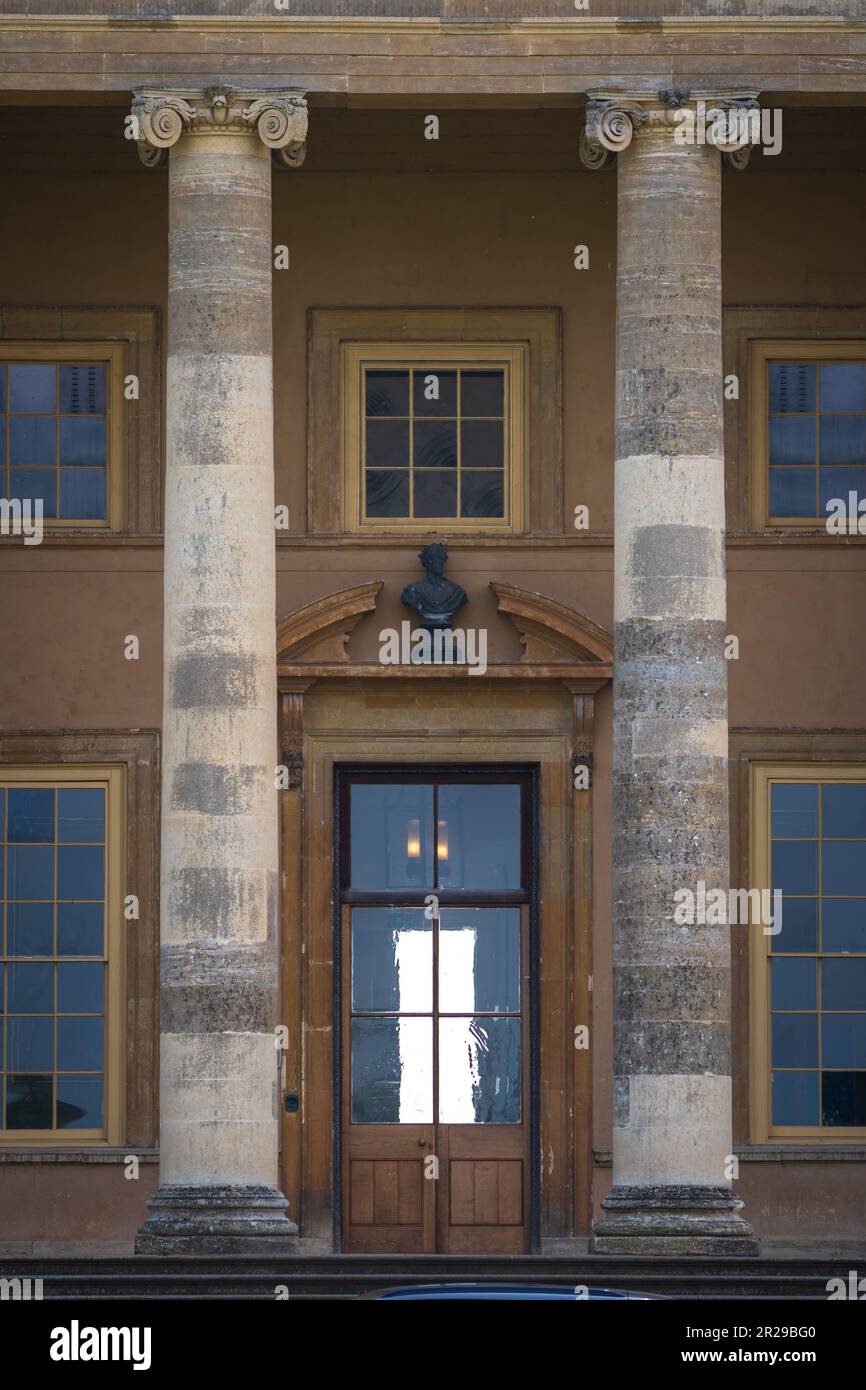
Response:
column 673, row 1220
column 217, row 1220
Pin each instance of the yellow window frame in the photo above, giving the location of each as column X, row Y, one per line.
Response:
column 357, row 358
column 111, row 354
column 761, row 354
column 113, row 780
column 763, row 777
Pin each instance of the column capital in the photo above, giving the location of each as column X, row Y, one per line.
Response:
column 728, row 120
column 278, row 117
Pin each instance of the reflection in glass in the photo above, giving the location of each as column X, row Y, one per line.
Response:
column 843, row 1040
column 479, row 960
column 479, row 1071
column 484, row 835
column 392, row 960
column 382, row 813
column 392, row 1071
column 792, row 387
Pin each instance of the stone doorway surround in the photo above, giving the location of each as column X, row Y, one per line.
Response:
column 336, row 711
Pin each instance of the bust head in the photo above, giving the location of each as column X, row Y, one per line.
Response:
column 434, row 558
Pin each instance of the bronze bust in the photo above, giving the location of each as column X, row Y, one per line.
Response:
column 436, row 598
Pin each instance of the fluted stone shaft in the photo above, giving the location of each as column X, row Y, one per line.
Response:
column 219, row 861
column 672, row 1083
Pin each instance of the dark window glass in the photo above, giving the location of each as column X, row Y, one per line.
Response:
column 482, row 823
column 793, row 442
column 35, row 485
column 79, row 1102
column 29, row 1044
column 28, row 1102
column 80, row 1044
column 795, row 866
column 387, row 444
column 793, row 983
column 482, row 393
column 80, row 988
column 32, row 386
column 387, row 393
column 794, row 813
column 843, row 440
column 80, row 872
column 82, row 389
column 792, row 387
column 31, row 815
column 836, row 483
column 482, row 444
column 435, row 392
column 31, row 872
column 844, row 811
column 479, row 960
column 29, row 928
column 795, row 1040
column 844, row 867
column 481, row 494
column 843, row 1095
column 792, row 492
column 81, row 815
column 387, row 493
column 843, row 386
column 843, row 984
column 30, row 988
column 435, row 494
column 32, row 441
column 843, row 925
column 795, row 1098
column 392, row 960
column 82, row 493
column 80, row 928
column 843, row 1040
column 435, row 444
column 392, row 836
column 799, row 926
column 82, row 442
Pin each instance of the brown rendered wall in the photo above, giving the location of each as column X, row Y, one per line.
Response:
column 488, row 216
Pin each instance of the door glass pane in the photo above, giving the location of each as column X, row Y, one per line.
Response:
column 392, row 960
column 392, row 836
column 479, row 836
column 479, row 960
column 392, row 1071
column 479, row 1071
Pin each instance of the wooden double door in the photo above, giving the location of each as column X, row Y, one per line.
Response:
column 435, row 1012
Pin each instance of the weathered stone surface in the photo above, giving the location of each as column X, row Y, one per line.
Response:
column 219, row 979
column 672, row 1103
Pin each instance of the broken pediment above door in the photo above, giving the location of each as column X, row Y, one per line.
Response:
column 551, row 631
column 319, row 631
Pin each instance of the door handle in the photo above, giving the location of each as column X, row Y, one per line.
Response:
column 422, row 1143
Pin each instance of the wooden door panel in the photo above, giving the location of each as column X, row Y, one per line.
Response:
column 389, row 1203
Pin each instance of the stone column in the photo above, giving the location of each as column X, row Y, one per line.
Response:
column 672, row 1070
column 219, row 862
